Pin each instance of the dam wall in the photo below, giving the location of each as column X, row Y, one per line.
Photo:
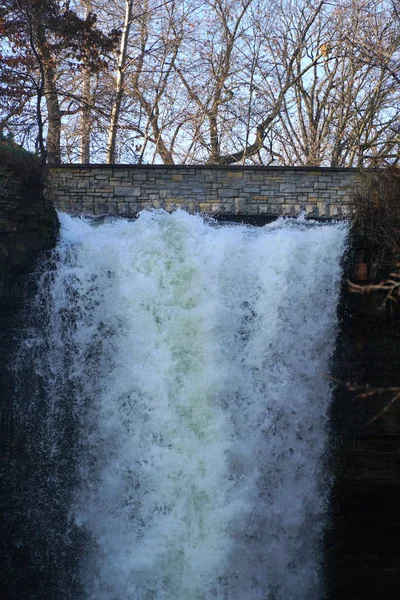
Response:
column 245, row 191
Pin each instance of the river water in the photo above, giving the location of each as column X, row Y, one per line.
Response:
column 173, row 393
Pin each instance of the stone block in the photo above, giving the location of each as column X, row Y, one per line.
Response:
column 311, row 210
column 287, row 188
column 334, row 210
column 318, row 185
column 210, row 178
column 322, row 209
column 252, row 209
column 123, row 209
column 269, row 191
column 99, row 208
column 240, row 205
column 227, row 193
column 224, row 207
column 251, row 189
column 139, row 176
column 127, row 191
column 274, row 210
column 154, row 204
column 205, row 207
column 110, row 208
column 255, row 178
column 273, row 179
column 288, row 210
column 347, row 210
column 305, row 189
column 135, row 207
column 234, row 174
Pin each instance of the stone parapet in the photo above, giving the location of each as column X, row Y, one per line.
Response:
column 125, row 190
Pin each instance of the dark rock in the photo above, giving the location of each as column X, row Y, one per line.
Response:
column 28, row 224
column 363, row 556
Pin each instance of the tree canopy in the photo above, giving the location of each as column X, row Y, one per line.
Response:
column 285, row 82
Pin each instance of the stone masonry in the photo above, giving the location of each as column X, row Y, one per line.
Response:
column 125, row 190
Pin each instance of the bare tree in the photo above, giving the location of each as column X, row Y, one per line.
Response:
column 214, row 81
column 343, row 111
column 119, row 88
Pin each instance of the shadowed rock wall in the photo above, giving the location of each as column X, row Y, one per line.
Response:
column 363, row 549
column 28, row 225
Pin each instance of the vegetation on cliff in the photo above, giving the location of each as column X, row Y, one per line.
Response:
column 28, row 222
column 27, row 166
column 376, row 277
column 377, row 218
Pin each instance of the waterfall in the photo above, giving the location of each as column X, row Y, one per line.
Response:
column 175, row 396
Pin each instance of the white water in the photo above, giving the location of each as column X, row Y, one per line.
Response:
column 194, row 359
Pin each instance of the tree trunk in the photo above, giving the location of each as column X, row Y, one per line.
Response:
column 119, row 92
column 50, row 94
column 86, row 122
column 54, row 119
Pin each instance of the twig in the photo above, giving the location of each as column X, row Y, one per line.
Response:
column 391, row 285
column 367, row 392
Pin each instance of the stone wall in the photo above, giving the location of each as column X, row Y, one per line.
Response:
column 248, row 191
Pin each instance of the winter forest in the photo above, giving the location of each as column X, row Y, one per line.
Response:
column 270, row 82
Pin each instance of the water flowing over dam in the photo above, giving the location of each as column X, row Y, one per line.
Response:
column 173, row 393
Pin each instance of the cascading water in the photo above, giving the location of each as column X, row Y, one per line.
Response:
column 182, row 402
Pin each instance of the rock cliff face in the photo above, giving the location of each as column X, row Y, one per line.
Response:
column 28, row 225
column 363, row 550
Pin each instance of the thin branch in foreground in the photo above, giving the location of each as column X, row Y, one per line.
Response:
column 366, row 392
column 369, row 392
column 391, row 285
